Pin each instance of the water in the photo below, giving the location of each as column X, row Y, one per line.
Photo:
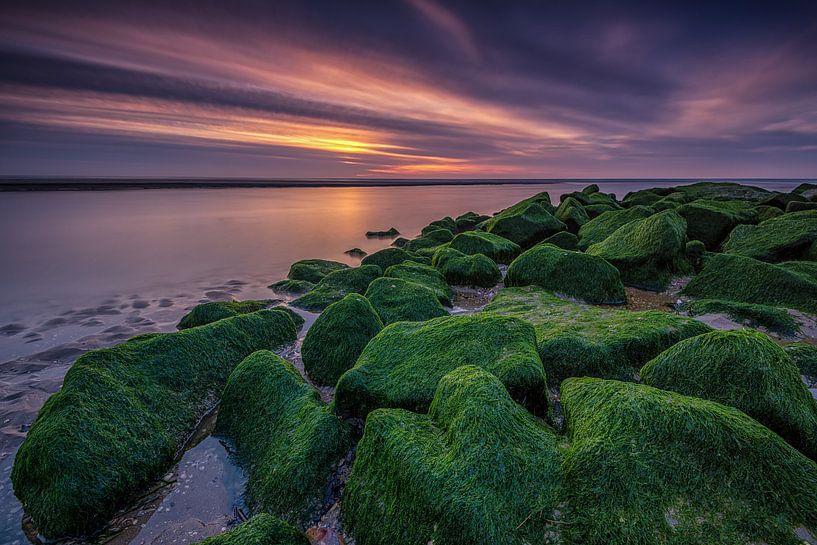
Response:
column 87, row 269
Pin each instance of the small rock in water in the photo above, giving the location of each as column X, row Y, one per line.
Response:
column 324, row 536
column 355, row 252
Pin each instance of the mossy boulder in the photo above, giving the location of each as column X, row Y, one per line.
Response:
column 401, row 366
column 746, row 280
column 292, row 287
column 400, row 242
column 649, row 466
column 772, row 318
column 643, row 197
column 469, row 220
column 262, row 529
column 286, row 439
column 335, row 286
column 781, row 238
column 647, row 252
column 572, row 274
column 799, row 206
column 397, row 300
column 637, row 465
column 808, row 268
column 782, row 200
column 577, row 340
column 439, row 235
column 542, row 199
column 712, row 221
column 124, row 413
column 605, row 224
column 804, row 356
column 206, row 313
column 591, row 196
column 313, row 270
column 417, row 245
column 426, row 276
column 460, row 269
column 336, row 339
column 524, row 225
column 498, row 248
column 470, row 471
column 564, row 240
column 444, row 223
column 387, row 257
column 572, row 214
column 743, row 369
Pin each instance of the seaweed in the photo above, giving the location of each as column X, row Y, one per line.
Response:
column 573, row 274
column 286, row 439
column 397, row 300
column 336, row 339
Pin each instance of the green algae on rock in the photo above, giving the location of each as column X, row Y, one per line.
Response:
column 124, row 413
column 470, row 471
column 292, row 287
column 648, row 252
column 781, row 238
column 313, row 270
column 743, row 369
column 605, row 224
column 799, row 206
column 565, row 240
column 336, row 285
column 338, row 336
column 804, row 356
column 525, row 225
column 262, row 529
column 469, row 220
column 772, row 318
column 287, row 440
column 438, row 234
column 572, row 274
column 577, row 340
column 206, row 313
column 466, row 270
column 426, row 276
column 572, row 214
column 401, row 366
column 650, row 466
column 387, row 257
column 397, row 300
column 499, row 249
column 746, row 280
column 712, row 221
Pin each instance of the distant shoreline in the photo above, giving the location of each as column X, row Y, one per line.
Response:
column 18, row 184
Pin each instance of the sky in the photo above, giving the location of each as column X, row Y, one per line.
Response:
column 409, row 89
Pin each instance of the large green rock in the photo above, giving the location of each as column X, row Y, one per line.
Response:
column 424, row 275
column 772, row 318
column 604, row 225
column 335, row 286
column 712, row 221
column 286, row 439
column 654, row 467
column 313, row 270
column 721, row 191
column 124, row 413
column 292, row 287
column 564, row 239
column 387, row 257
column 397, row 300
column 336, row 339
column 577, row 340
column 498, row 248
column 781, row 238
column 743, row 369
column 206, row 313
column 637, row 465
column 460, row 269
column 747, row 280
column 524, row 225
column 262, row 529
column 572, row 274
column 804, row 356
column 572, row 214
column 469, row 220
column 647, row 252
column 401, row 366
column 471, row 471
